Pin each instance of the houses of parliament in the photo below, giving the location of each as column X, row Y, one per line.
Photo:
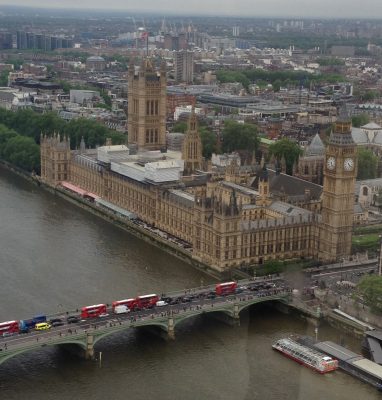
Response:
column 230, row 217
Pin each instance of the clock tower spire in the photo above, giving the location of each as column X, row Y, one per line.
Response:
column 340, row 171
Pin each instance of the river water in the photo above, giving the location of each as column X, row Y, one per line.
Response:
column 55, row 256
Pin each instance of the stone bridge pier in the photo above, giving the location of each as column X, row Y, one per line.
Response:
column 89, row 351
column 171, row 328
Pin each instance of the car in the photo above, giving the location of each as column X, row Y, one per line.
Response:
column 103, row 315
column 8, row 334
column 186, row 300
column 42, row 326
column 161, row 303
column 54, row 320
column 57, row 323
column 72, row 319
column 211, row 295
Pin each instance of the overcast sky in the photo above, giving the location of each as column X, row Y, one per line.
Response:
column 308, row 8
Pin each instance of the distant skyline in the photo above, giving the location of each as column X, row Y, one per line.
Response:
column 271, row 8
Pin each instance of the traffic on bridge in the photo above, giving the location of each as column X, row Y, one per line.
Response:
column 91, row 323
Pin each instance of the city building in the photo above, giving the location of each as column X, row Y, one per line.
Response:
column 186, row 109
column 184, row 66
column 337, row 211
column 38, row 41
column 84, row 96
column 230, row 219
column 175, row 100
column 96, row 63
column 311, row 164
column 6, row 40
column 146, row 124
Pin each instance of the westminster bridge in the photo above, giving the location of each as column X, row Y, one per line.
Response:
column 84, row 335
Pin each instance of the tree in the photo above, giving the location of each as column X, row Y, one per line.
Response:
column 23, row 152
column 31, row 124
column 273, row 267
column 93, row 132
column 106, row 99
column 369, row 95
column 4, row 78
column 360, row 120
column 370, row 288
column 180, row 127
column 5, row 135
column 276, row 85
column 287, row 149
column 209, row 142
column 367, row 164
column 240, row 137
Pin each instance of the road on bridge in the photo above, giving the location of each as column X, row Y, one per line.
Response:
column 195, row 301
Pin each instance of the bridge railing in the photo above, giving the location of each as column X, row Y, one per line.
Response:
column 118, row 322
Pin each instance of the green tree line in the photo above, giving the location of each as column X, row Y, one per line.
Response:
column 20, row 135
column 276, row 78
column 31, row 124
column 235, row 137
column 19, row 150
column 370, row 289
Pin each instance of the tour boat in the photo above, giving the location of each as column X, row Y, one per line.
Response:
column 306, row 356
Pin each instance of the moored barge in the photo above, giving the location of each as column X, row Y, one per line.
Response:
column 306, row 356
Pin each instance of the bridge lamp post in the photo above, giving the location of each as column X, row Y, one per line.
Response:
column 380, row 256
column 342, row 265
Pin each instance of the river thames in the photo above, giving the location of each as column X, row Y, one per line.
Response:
column 56, row 257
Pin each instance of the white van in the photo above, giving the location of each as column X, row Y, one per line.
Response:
column 161, row 303
column 121, row 309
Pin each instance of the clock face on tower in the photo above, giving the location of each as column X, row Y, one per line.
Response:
column 348, row 164
column 331, row 163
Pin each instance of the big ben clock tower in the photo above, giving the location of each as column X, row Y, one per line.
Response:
column 340, row 170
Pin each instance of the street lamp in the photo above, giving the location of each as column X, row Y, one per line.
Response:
column 380, row 256
column 342, row 265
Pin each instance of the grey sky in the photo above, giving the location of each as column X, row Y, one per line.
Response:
column 309, row 8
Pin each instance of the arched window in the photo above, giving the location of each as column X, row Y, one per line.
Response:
column 365, row 191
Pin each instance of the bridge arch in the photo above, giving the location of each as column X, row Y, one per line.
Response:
column 211, row 310
column 258, row 300
column 98, row 337
column 10, row 353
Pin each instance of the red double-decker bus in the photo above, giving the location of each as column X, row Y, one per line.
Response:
column 93, row 311
column 129, row 303
column 147, row 301
column 9, row 327
column 223, row 289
